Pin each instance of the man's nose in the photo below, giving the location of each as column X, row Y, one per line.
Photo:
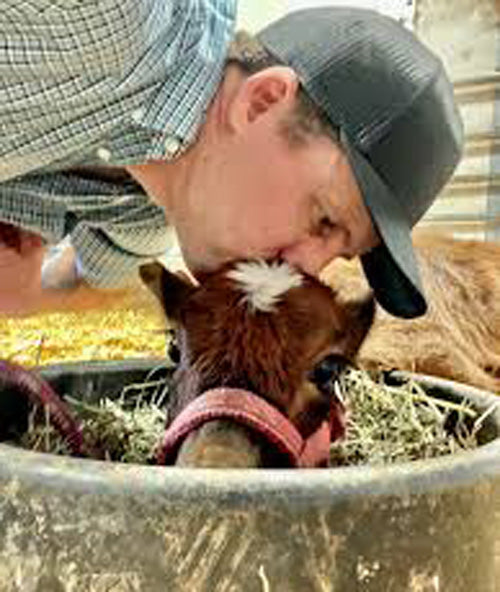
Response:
column 312, row 254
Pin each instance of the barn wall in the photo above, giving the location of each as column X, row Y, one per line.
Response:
column 465, row 34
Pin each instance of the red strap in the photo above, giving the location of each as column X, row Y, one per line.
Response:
column 40, row 393
column 248, row 409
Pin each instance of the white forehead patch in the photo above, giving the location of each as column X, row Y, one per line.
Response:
column 264, row 283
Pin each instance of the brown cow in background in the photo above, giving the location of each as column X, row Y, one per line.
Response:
column 459, row 337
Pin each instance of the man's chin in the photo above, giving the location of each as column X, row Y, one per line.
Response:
column 207, row 262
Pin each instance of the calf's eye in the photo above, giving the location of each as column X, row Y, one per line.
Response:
column 328, row 370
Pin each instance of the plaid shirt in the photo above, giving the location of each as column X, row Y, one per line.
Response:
column 87, row 83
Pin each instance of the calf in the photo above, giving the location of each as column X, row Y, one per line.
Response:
column 260, row 327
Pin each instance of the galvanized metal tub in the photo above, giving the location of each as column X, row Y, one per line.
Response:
column 77, row 525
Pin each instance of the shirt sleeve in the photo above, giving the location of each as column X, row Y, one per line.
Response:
column 73, row 70
column 113, row 225
column 77, row 75
column 130, row 233
column 101, row 82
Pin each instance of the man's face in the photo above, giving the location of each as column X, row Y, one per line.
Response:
column 254, row 195
column 246, row 191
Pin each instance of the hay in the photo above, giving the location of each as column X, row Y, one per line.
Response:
column 126, row 430
column 386, row 424
column 51, row 338
column 389, row 424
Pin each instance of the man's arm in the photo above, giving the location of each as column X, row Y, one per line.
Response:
column 21, row 291
column 70, row 73
column 113, row 226
column 106, row 82
column 92, row 84
column 21, row 255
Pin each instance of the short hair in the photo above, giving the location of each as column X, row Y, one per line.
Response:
column 307, row 119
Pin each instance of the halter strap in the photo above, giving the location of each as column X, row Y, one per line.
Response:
column 254, row 412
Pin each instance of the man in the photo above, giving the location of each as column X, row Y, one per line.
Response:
column 328, row 135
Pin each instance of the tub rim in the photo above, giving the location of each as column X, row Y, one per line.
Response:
column 239, row 486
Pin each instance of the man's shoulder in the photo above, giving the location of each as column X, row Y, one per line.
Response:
column 112, row 30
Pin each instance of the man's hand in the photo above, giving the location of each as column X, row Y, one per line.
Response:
column 21, row 255
column 65, row 290
column 59, row 271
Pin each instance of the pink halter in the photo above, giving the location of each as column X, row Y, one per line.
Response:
column 254, row 412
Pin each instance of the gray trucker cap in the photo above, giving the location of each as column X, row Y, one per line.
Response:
column 393, row 103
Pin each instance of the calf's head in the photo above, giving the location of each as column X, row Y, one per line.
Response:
column 263, row 327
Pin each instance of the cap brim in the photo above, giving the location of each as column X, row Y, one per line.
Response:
column 391, row 268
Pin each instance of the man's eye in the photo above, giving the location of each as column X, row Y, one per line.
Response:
column 324, row 227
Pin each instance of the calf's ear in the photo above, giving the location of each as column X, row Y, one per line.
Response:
column 359, row 320
column 171, row 289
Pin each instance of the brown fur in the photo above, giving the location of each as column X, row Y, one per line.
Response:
column 459, row 337
column 267, row 353
column 224, row 342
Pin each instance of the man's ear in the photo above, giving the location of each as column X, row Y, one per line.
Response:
column 257, row 94
column 170, row 289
